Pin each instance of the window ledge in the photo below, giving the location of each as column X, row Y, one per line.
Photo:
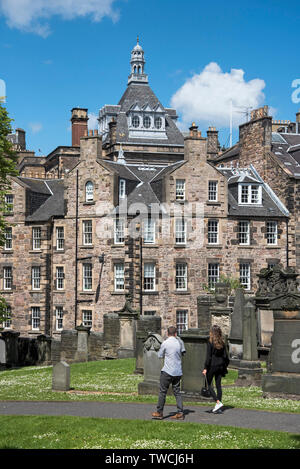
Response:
column 269, row 246
column 211, row 202
column 86, row 246
column 245, row 246
column 214, row 246
column 118, row 293
column 59, row 291
column 150, row 293
column 7, row 251
column 181, row 292
column 59, row 251
column 35, row 251
column 10, row 292
column 89, row 203
column 89, row 292
column 121, row 245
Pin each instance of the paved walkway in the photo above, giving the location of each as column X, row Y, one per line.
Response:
column 230, row 417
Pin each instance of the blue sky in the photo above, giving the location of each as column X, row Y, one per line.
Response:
column 52, row 59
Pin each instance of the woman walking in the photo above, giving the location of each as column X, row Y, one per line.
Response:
column 216, row 364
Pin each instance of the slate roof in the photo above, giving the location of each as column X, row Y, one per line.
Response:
column 271, row 205
column 148, row 179
column 285, row 147
column 51, row 200
column 141, row 94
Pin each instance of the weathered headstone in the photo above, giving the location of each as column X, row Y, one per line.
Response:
column 61, row 377
column 82, row 353
column 236, row 330
column 220, row 312
column 249, row 368
column 152, row 365
column 128, row 318
column 145, row 325
column 193, row 364
column 2, row 352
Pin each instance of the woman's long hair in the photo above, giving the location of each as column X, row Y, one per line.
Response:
column 216, row 337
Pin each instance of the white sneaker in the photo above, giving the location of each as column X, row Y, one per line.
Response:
column 217, row 407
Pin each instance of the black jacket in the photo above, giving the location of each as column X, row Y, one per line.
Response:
column 216, row 359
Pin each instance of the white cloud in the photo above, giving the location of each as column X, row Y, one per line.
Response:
column 35, row 127
column 93, row 121
column 32, row 15
column 206, row 97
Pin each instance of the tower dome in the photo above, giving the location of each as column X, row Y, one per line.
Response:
column 137, row 64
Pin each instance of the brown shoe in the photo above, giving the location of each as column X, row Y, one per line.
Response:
column 157, row 415
column 178, row 416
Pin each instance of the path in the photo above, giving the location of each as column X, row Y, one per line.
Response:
column 234, row 417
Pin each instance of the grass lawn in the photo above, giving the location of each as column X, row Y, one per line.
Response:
column 115, row 380
column 39, row 432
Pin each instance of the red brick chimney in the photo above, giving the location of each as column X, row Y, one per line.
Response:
column 79, row 121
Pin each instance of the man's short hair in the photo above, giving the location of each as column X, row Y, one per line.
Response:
column 172, row 330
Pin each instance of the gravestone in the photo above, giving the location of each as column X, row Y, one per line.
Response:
column 82, row 352
column 2, row 352
column 61, row 377
column 145, row 325
column 281, row 295
column 236, row 330
column 249, row 368
column 193, row 380
column 152, row 365
column 128, row 318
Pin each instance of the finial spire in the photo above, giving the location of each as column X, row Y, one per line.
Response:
column 138, row 39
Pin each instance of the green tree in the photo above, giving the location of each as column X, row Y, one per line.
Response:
column 8, row 162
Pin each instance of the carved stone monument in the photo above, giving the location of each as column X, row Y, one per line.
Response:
column 145, row 325
column 152, row 365
column 220, row 312
column 279, row 292
column 128, row 317
column 249, row 368
column 82, row 352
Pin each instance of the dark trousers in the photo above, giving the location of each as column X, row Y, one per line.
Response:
column 217, row 374
column 165, row 381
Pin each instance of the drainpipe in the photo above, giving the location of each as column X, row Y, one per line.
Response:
column 76, row 251
column 287, row 242
column 141, row 273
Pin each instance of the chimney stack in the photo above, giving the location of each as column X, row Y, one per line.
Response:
column 112, row 131
column 195, row 146
column 79, row 121
column 212, row 142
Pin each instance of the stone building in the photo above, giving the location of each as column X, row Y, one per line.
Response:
column 136, row 209
column 273, row 147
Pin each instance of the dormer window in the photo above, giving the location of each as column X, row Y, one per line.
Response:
column 135, row 122
column 158, row 122
column 147, row 122
column 250, row 194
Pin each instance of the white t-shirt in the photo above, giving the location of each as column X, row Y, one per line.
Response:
column 171, row 350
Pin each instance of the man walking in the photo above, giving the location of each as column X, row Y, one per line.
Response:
column 172, row 350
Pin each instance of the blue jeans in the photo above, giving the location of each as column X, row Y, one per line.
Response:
column 165, row 381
